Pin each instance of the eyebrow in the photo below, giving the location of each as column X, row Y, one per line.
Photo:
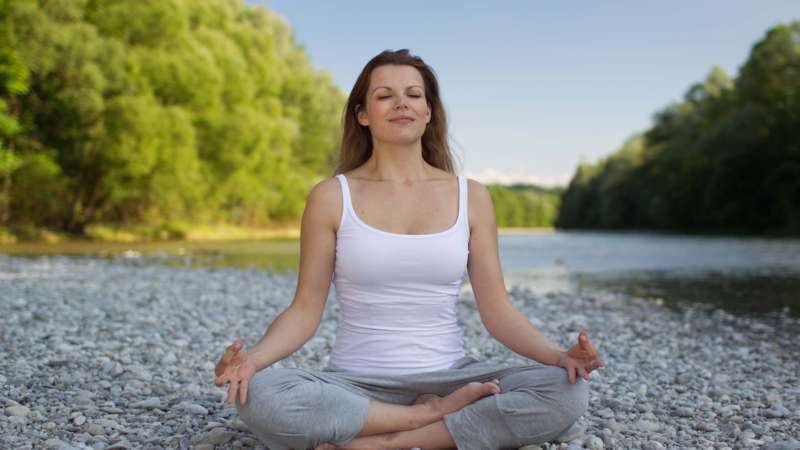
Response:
column 387, row 87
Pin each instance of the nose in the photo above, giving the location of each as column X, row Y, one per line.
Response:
column 402, row 104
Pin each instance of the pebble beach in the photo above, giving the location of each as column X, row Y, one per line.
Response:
column 119, row 353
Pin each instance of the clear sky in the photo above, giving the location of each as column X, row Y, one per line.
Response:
column 533, row 87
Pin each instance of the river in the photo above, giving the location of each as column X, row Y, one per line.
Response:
column 743, row 275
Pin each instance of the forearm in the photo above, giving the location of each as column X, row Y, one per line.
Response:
column 512, row 329
column 285, row 335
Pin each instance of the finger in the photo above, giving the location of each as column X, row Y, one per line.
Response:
column 226, row 359
column 243, row 391
column 594, row 364
column 221, row 380
column 583, row 374
column 232, row 391
column 571, row 372
column 587, row 344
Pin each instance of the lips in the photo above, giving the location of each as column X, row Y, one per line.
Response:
column 402, row 119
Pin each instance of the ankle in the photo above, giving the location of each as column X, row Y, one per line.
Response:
column 426, row 413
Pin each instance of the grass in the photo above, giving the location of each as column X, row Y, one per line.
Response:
column 164, row 232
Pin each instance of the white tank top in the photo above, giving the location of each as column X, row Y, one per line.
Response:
column 397, row 294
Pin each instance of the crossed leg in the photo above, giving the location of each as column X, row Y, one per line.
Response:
column 539, row 404
column 433, row 435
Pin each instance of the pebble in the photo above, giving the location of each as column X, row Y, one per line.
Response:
column 94, row 429
column 594, row 443
column 195, row 409
column 18, row 410
column 119, row 353
column 216, row 436
column 54, row 443
column 123, row 444
column 645, row 425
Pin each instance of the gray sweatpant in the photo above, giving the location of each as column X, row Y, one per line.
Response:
column 292, row 408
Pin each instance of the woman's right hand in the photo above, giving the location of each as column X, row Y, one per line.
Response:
column 235, row 368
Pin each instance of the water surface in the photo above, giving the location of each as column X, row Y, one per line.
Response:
column 740, row 274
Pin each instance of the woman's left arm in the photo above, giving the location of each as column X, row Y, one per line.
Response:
column 504, row 322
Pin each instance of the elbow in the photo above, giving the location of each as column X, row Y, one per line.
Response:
column 498, row 320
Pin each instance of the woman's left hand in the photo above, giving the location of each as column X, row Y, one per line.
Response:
column 580, row 359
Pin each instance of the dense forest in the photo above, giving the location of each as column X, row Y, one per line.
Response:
column 158, row 112
column 725, row 159
column 165, row 114
column 525, row 206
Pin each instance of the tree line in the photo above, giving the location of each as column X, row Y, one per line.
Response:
column 155, row 111
column 725, row 159
column 164, row 113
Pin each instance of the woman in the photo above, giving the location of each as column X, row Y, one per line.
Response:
column 384, row 228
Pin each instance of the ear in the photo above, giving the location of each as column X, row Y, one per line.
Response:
column 428, row 114
column 361, row 116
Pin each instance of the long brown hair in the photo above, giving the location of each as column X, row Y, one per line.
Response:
column 357, row 140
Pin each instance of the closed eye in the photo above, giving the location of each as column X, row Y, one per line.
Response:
column 387, row 96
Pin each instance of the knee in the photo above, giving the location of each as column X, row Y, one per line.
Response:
column 575, row 399
column 565, row 401
column 272, row 400
column 544, row 405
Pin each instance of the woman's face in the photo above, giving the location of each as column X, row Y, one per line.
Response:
column 396, row 109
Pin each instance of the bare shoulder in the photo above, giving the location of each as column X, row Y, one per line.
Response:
column 479, row 196
column 325, row 203
column 480, row 207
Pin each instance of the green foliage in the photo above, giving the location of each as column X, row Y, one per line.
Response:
column 524, row 206
column 157, row 113
column 725, row 159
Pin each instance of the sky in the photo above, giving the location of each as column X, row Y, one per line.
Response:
column 532, row 89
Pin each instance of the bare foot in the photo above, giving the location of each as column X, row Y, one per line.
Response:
column 437, row 406
column 467, row 395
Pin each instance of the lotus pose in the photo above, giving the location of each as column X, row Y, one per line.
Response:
column 394, row 229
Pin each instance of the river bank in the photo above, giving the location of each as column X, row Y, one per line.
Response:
column 143, row 234
column 119, row 353
column 196, row 233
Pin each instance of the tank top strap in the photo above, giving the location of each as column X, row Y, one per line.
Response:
column 463, row 201
column 345, row 198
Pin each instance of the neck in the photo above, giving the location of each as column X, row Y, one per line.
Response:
column 402, row 163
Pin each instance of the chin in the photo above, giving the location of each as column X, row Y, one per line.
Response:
column 402, row 138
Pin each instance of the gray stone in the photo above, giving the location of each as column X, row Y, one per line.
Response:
column 594, row 443
column 18, row 410
column 121, row 445
column 790, row 445
column 215, row 436
column 80, row 400
column 614, row 426
column 195, row 409
column 645, row 425
column 169, row 359
column 53, row 443
column 94, row 429
column 238, row 425
column 150, row 403
column 718, row 392
column 18, row 380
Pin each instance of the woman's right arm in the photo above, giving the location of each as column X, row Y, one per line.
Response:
column 298, row 323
